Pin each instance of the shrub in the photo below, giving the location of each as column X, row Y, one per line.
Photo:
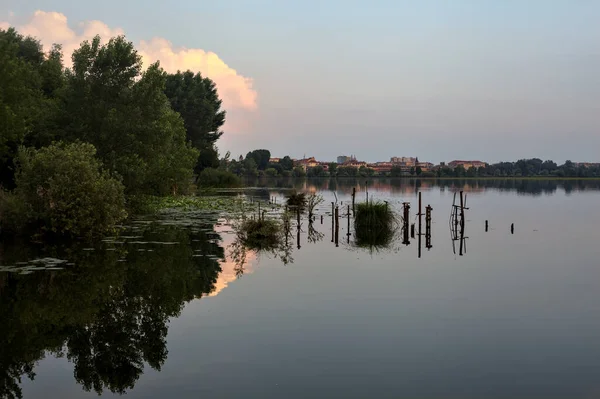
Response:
column 297, row 200
column 271, row 172
column 63, row 190
column 216, row 178
column 260, row 234
column 374, row 224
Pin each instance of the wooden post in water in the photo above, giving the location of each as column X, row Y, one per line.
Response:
column 486, row 226
column 405, row 218
column 258, row 210
column 348, row 233
column 512, row 228
column 412, row 230
column 337, row 226
column 462, row 210
column 353, row 197
column 321, row 219
column 332, row 222
column 428, row 210
column 420, row 225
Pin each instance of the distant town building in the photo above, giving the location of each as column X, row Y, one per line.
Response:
column 425, row 166
column 274, row 160
column 381, row 167
column 306, row 163
column 406, row 161
column 342, row 159
column 467, row 164
column 355, row 164
column 587, row 164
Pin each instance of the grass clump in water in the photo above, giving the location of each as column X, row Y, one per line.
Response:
column 260, row 234
column 375, row 224
column 297, row 200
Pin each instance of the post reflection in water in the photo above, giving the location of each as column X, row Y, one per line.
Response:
column 457, row 218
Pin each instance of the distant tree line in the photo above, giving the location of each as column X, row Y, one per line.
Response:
column 256, row 164
column 101, row 123
column 523, row 168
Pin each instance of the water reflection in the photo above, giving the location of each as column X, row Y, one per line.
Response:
column 107, row 313
column 106, row 308
column 531, row 187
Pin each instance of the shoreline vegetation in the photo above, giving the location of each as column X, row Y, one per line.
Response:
column 84, row 148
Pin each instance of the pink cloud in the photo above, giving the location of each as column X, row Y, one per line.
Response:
column 237, row 92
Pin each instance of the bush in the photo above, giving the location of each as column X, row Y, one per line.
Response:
column 63, row 190
column 260, row 234
column 216, row 178
column 271, row 172
column 297, row 200
column 374, row 224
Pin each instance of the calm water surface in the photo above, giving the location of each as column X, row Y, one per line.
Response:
column 171, row 308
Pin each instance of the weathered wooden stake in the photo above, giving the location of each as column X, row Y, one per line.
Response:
column 428, row 210
column 321, row 219
column 348, row 233
column 486, row 226
column 405, row 218
column 420, row 226
column 462, row 210
column 332, row 221
column 412, row 230
column 353, row 197
column 337, row 226
column 512, row 228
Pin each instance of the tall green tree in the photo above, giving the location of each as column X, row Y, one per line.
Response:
column 196, row 99
column 261, row 157
column 127, row 116
column 333, row 169
column 29, row 83
column 286, row 163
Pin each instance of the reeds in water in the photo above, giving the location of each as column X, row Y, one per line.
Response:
column 375, row 224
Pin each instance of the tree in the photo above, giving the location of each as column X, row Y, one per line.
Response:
column 261, row 157
column 396, row 171
column 127, row 117
column 64, row 189
column 298, row 172
column 286, row 163
column 333, row 169
column 271, row 172
column 249, row 167
column 275, row 165
column 459, row 171
column 418, row 171
column 28, row 80
column 317, row 171
column 197, row 101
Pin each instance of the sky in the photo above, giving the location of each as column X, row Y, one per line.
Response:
column 437, row 79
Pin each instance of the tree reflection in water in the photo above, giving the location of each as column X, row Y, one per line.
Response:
column 108, row 312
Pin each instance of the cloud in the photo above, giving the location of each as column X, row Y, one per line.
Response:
column 237, row 92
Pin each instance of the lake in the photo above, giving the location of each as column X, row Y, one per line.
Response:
column 174, row 306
